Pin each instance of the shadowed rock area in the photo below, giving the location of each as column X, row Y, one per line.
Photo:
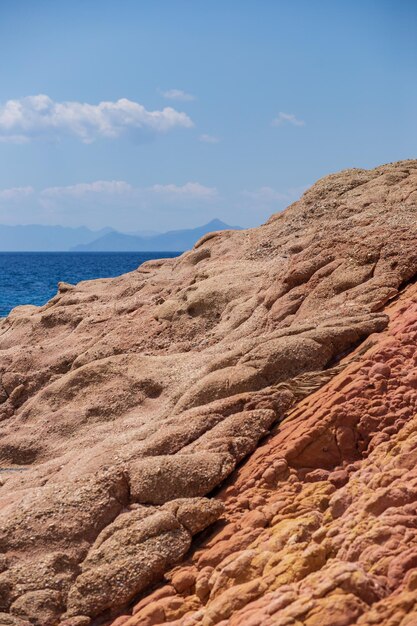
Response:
column 127, row 401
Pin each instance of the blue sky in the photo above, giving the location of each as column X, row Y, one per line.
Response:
column 161, row 114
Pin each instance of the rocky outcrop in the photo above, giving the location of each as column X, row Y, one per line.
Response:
column 320, row 525
column 126, row 401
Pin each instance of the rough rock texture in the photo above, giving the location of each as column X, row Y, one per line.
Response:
column 128, row 400
column 320, row 527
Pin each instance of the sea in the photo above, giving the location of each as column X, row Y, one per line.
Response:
column 32, row 277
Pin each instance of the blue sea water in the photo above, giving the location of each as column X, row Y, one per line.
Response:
column 32, row 277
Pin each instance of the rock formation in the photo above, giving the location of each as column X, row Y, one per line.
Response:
column 126, row 402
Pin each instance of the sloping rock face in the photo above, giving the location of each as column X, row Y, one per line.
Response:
column 126, row 401
column 320, row 525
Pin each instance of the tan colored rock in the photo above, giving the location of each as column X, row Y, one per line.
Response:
column 136, row 550
column 42, row 607
column 10, row 620
column 201, row 356
column 159, row 479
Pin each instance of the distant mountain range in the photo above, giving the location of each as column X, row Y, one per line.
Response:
column 35, row 237
column 171, row 241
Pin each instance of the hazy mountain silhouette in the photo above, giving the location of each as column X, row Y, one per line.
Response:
column 34, row 237
column 171, row 241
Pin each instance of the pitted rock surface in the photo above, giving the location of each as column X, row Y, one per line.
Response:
column 127, row 400
column 320, row 524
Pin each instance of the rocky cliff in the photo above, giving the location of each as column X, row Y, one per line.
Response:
column 279, row 364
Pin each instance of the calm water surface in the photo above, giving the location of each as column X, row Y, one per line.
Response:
column 32, row 277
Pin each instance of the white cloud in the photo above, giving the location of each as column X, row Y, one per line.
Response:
column 209, row 138
column 178, row 94
column 13, row 138
column 107, row 187
column 119, row 193
column 115, row 203
column 16, row 193
column 121, row 187
column 190, row 190
column 266, row 195
column 270, row 198
column 40, row 116
column 287, row 118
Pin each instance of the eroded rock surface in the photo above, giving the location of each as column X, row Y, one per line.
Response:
column 320, row 524
column 127, row 400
